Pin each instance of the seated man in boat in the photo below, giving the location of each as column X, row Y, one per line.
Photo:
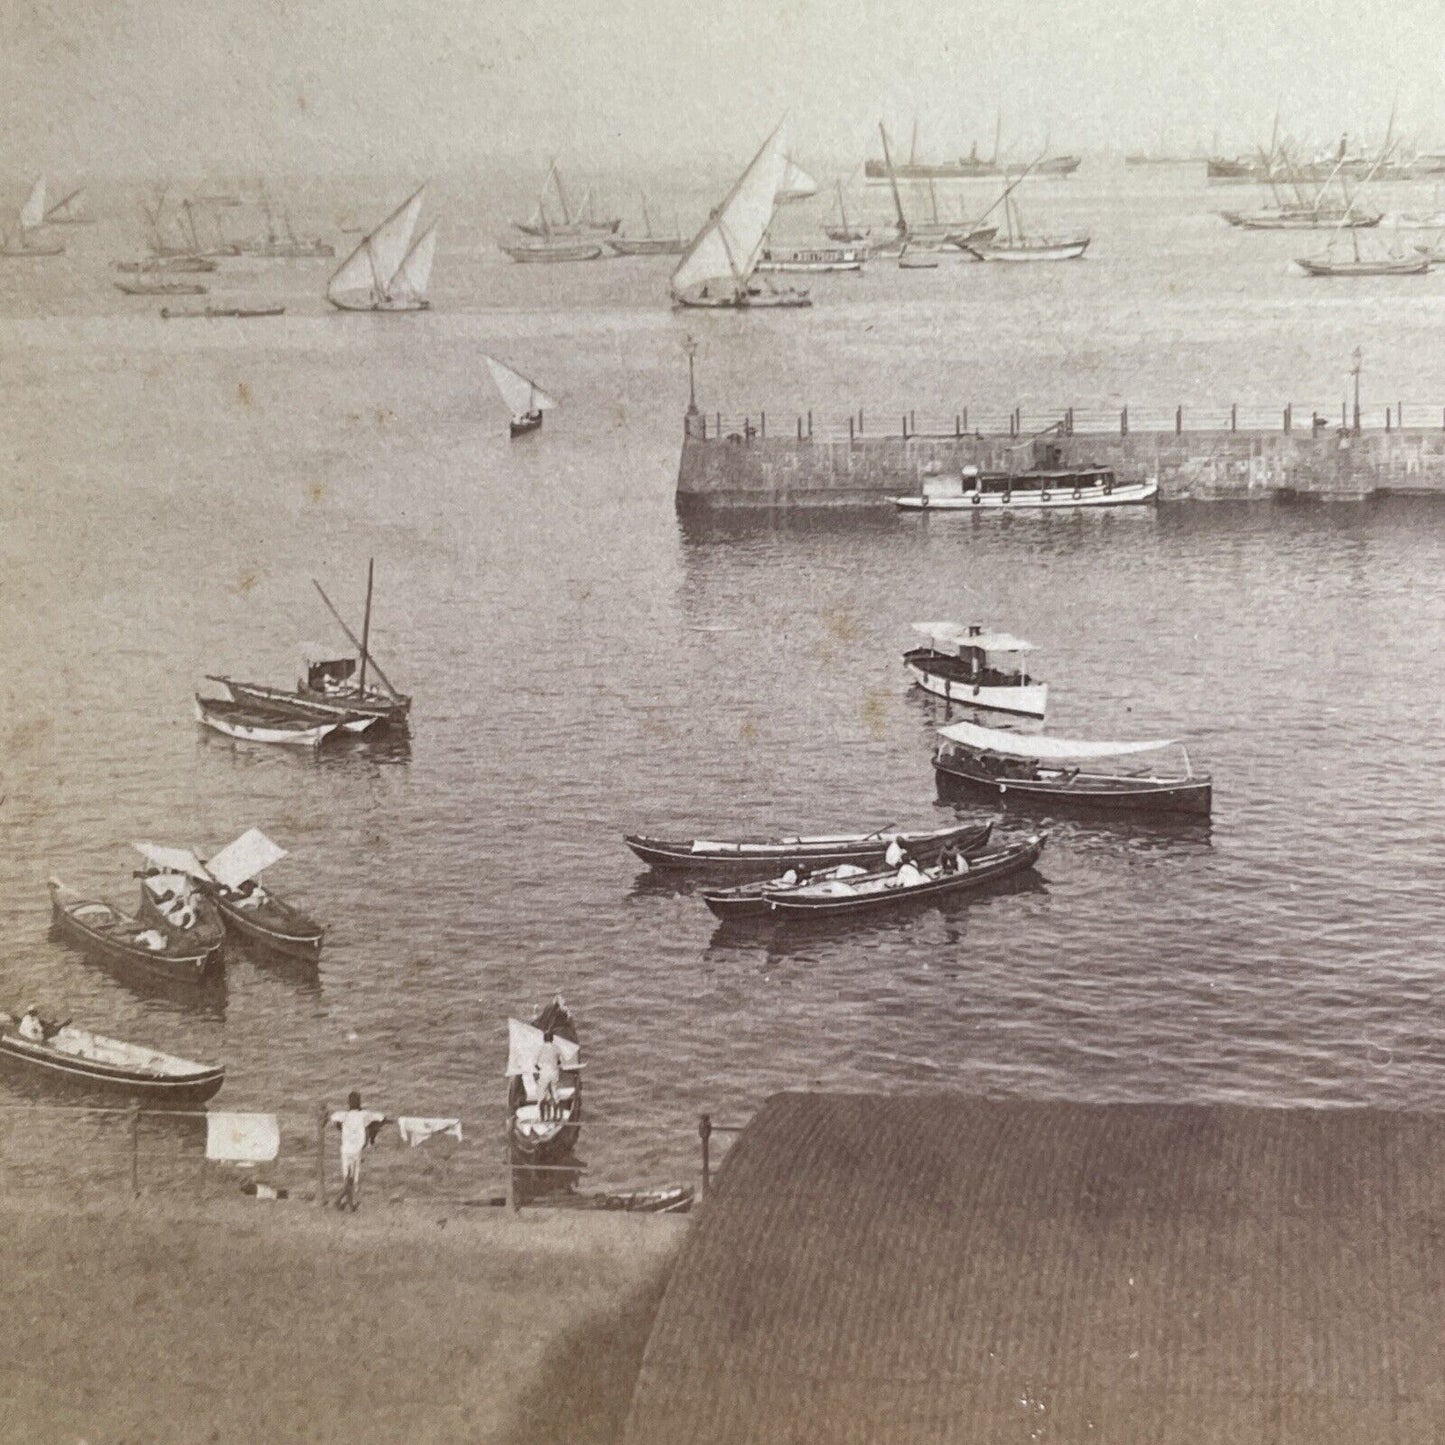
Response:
column 895, row 852
column 549, row 1075
column 909, row 875
column 249, row 895
column 796, row 876
column 31, row 1027
column 950, row 860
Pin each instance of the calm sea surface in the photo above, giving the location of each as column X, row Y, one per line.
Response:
column 585, row 665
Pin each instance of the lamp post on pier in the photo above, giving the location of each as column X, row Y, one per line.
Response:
column 689, row 345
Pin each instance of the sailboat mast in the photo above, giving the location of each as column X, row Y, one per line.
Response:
column 366, row 627
column 893, row 182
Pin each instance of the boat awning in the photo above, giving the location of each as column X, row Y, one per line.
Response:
column 957, row 634
column 523, row 1041
column 252, row 853
column 171, row 860
column 1019, row 745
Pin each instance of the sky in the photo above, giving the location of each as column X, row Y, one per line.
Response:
column 167, row 87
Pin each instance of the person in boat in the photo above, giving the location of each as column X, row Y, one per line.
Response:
column 909, row 874
column 796, row 876
column 250, row 894
column 950, row 860
column 549, row 1075
column 895, row 853
column 32, row 1028
column 359, row 1128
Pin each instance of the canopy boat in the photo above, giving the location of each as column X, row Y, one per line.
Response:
column 230, row 880
column 169, row 265
column 161, row 288
column 248, row 723
column 92, row 1061
column 1045, row 771
column 1017, row 245
column 812, row 258
column 333, row 689
column 649, row 244
column 717, row 269
column 526, row 399
column 750, row 900
column 107, row 934
column 764, row 857
column 583, row 222
column 845, row 230
column 541, row 1132
column 874, row 892
column 215, row 313
column 171, row 902
column 388, row 271
column 980, row 669
column 24, row 240
column 1046, row 490
column 67, row 211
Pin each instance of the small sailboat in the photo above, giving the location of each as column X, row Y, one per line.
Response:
column 1017, row 245
column 717, row 268
column 67, row 210
column 549, row 248
column 1395, row 264
column 388, row 271
column 22, row 240
column 527, row 400
column 649, row 244
column 845, row 230
column 161, row 288
column 796, row 185
column 582, row 222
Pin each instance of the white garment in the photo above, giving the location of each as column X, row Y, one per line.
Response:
column 894, row 856
column 243, row 1138
column 353, row 1124
column 910, row 874
column 418, row 1130
column 31, row 1028
column 549, row 1068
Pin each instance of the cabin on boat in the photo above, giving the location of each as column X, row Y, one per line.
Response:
column 933, row 1267
column 963, row 663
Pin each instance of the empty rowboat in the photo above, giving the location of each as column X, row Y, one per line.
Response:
column 110, row 936
column 763, row 857
column 76, row 1056
column 250, row 724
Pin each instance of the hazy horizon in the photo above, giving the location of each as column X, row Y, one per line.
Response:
column 137, row 88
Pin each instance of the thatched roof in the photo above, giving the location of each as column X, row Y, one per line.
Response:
column 949, row 1269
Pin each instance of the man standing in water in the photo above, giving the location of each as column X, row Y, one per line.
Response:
column 359, row 1128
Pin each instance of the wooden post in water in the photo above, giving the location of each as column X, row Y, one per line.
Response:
column 1178, row 420
column 965, row 418
column 1069, row 421
column 860, row 421
column 704, row 1132
column 905, row 426
column 322, row 1115
column 1124, row 422
column 1344, row 416
column 1400, row 415
column 957, row 425
column 719, row 425
column 135, row 1151
column 913, row 423
column 1387, row 418
column 800, row 428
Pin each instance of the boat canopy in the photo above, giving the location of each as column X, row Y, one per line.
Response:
column 252, row 853
column 523, row 1041
column 171, row 860
column 520, row 392
column 1043, row 749
column 958, row 634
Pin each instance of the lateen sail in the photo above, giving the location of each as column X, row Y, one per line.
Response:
column 797, row 184
column 724, row 253
column 415, row 273
column 63, row 204
column 519, row 392
column 32, row 213
column 375, row 262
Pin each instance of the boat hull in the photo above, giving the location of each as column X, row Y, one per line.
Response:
column 252, row 727
column 531, row 255
column 645, row 246
column 767, row 857
column 814, row 260
column 1189, row 797
column 1023, row 255
column 797, row 905
column 91, row 1075
column 386, row 303
column 170, row 965
column 208, row 937
column 288, row 931
column 1417, row 267
column 1303, row 221
column 307, row 704
column 752, row 300
column 553, row 1142
column 1031, row 699
column 1128, row 494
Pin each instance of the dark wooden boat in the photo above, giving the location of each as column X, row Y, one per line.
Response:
column 519, row 426
column 107, row 934
column 765, row 857
column 1048, row 772
column 162, row 898
column 750, row 900
column 93, row 1062
column 534, row 1139
column 270, row 921
column 875, row 892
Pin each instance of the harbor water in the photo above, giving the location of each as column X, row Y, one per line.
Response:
column 585, row 665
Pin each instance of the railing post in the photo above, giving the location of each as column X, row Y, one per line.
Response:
column 1234, row 416
column 850, row 431
column 800, row 428
column 965, row 418
column 763, row 424
column 322, row 1114
column 704, row 1132
column 135, row 1151
column 1124, row 422
column 810, row 423
column 1387, row 418
column 957, row 425
column 1178, row 420
column 512, row 1205
column 1069, row 421
column 1288, row 416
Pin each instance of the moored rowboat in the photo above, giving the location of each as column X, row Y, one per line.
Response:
column 767, row 856
column 543, row 1133
column 111, row 936
column 251, row 724
column 92, row 1061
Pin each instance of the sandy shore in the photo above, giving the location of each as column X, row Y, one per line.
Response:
column 252, row 1321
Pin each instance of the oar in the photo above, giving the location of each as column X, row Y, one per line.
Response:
column 381, row 676
column 878, row 832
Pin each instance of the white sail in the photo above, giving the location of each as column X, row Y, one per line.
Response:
column 797, row 184
column 32, row 213
column 415, row 274
column 252, row 853
column 724, row 253
column 356, row 275
column 521, row 393
column 391, row 240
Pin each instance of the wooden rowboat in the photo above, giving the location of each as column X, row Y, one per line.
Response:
column 107, row 934
column 765, row 857
column 92, row 1061
column 169, row 902
column 876, row 892
column 539, row 1137
column 270, row 921
column 750, row 900
column 250, row 724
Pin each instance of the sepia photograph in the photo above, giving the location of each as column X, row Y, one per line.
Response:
column 717, row 723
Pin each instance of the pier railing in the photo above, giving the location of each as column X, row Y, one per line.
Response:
column 878, row 422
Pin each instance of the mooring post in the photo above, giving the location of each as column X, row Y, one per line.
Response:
column 860, row 421
column 1069, row 421
column 1400, row 415
column 850, row 431
column 704, row 1132
column 1387, row 418
column 810, row 423
column 719, row 425
column 800, row 428
column 1288, row 415
column 905, row 426
column 1234, row 416
column 1124, row 422
column 135, row 1151
column 1178, row 420
column 965, row 418
column 513, row 1206
column 957, row 425
column 913, row 422
column 763, row 424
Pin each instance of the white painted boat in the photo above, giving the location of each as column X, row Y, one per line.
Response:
column 249, row 725
column 1017, row 246
column 963, row 663
column 1031, row 491
column 813, row 258
column 388, row 271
